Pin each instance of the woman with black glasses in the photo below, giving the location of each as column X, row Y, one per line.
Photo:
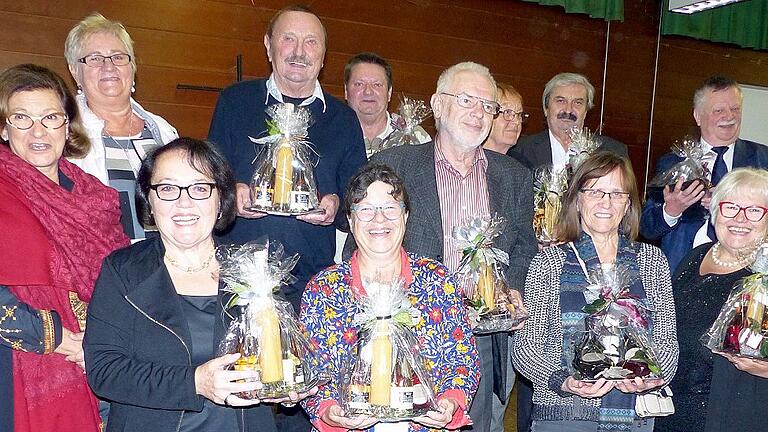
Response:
column 712, row 391
column 156, row 317
column 100, row 56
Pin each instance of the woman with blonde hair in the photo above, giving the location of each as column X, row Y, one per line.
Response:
column 102, row 62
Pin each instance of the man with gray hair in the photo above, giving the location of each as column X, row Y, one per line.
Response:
column 566, row 100
column 679, row 215
column 451, row 180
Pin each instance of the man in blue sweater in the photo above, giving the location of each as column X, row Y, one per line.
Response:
column 295, row 41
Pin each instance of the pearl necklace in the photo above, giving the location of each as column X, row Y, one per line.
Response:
column 190, row 269
column 739, row 262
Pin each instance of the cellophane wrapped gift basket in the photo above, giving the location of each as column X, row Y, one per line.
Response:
column 264, row 329
column 283, row 182
column 491, row 307
column 741, row 327
column 615, row 342
column 387, row 377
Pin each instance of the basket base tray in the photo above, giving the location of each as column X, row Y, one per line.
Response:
column 740, row 355
column 274, row 212
column 390, row 415
column 497, row 323
column 281, row 390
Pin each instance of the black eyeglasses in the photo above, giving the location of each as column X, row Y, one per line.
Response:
column 97, row 60
column 172, row 192
column 509, row 114
column 366, row 213
column 23, row 121
column 753, row 213
column 468, row 101
column 597, row 195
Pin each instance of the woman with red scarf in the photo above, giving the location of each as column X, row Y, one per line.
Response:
column 57, row 223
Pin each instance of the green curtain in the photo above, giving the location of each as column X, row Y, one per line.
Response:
column 744, row 24
column 609, row 10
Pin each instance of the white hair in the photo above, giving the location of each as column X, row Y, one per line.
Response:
column 447, row 76
column 90, row 25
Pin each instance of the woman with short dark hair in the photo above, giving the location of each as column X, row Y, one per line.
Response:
column 377, row 206
column 156, row 315
column 598, row 227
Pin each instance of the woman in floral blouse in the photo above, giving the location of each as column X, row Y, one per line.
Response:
column 377, row 208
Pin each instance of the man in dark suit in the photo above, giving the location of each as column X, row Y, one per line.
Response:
column 679, row 216
column 567, row 98
column 452, row 180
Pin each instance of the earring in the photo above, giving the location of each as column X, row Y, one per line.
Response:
column 79, row 89
column 219, row 216
column 133, row 87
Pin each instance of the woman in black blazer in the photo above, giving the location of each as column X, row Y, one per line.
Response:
column 156, row 316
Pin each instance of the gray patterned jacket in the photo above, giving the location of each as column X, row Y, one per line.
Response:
column 538, row 346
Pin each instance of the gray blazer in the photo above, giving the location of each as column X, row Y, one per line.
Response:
column 538, row 150
column 510, row 190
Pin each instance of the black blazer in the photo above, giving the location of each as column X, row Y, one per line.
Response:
column 138, row 346
column 538, row 150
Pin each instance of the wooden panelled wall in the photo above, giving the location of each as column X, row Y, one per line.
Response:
column 196, row 42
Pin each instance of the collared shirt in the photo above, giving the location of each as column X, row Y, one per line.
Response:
column 559, row 154
column 273, row 91
column 462, row 198
column 709, row 157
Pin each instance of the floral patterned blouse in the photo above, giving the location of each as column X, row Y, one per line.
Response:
column 328, row 309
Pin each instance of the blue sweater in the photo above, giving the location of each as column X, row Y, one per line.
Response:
column 338, row 139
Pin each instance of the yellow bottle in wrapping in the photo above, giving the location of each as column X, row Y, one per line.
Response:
column 756, row 308
column 485, row 285
column 283, row 174
column 381, row 365
column 271, row 356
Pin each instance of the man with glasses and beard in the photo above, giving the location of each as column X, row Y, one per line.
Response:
column 567, row 98
column 451, row 180
column 296, row 44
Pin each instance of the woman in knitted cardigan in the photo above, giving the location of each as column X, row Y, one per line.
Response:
column 598, row 226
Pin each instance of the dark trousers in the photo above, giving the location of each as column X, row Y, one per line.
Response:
column 292, row 419
column 524, row 403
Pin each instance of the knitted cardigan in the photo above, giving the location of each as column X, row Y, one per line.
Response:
column 538, row 345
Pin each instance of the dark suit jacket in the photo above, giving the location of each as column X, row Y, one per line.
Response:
column 138, row 345
column 677, row 241
column 538, row 150
column 510, row 190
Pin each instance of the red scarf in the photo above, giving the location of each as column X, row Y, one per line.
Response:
column 52, row 242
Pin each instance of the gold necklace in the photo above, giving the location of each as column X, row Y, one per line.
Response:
column 191, row 269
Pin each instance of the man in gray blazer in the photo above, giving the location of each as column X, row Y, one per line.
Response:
column 566, row 100
column 451, row 180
